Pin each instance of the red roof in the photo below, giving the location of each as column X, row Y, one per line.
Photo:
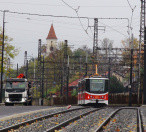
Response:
column 74, row 83
column 51, row 34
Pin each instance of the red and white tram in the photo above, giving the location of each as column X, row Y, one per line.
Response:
column 93, row 90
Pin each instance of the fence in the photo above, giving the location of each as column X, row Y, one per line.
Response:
column 118, row 98
column 122, row 98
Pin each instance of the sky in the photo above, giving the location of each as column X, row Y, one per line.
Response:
column 27, row 29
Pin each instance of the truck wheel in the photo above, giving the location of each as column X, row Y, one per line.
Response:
column 9, row 104
column 30, row 103
column 6, row 104
column 25, row 104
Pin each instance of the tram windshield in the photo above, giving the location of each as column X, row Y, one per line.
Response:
column 97, row 85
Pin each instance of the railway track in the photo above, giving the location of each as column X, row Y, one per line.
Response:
column 65, row 123
column 41, row 118
column 67, row 119
column 106, row 122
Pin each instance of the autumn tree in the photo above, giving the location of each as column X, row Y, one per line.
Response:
column 10, row 51
column 127, row 44
column 116, row 86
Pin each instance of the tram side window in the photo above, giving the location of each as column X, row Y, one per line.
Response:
column 106, row 85
column 78, row 86
column 87, row 85
column 82, row 86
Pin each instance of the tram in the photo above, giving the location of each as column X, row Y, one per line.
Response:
column 93, row 90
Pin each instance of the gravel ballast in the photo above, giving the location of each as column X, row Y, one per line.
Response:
column 124, row 121
column 88, row 122
column 40, row 126
column 23, row 118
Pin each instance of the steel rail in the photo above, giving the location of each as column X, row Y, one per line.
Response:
column 139, row 121
column 65, row 123
column 16, row 126
column 107, row 120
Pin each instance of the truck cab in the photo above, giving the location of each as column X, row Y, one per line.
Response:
column 17, row 90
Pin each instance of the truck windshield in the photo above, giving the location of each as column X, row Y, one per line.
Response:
column 11, row 85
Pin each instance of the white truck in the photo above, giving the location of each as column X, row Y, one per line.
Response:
column 18, row 91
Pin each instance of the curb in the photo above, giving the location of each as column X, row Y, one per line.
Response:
column 2, row 104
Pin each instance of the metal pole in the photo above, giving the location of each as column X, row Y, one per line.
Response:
column 144, row 84
column 8, row 68
column 34, row 69
column 109, row 72
column 1, row 89
column 25, row 62
column 67, row 81
column 61, row 68
column 42, row 101
column 66, row 69
column 27, row 69
column 17, row 69
column 131, row 67
column 86, row 65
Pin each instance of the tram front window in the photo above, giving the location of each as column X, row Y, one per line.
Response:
column 97, row 85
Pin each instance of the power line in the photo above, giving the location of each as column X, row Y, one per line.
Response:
column 35, row 14
column 84, row 6
column 113, row 29
column 132, row 9
column 76, row 11
column 44, row 20
column 42, row 15
column 129, row 4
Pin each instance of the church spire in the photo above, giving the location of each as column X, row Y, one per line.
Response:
column 51, row 34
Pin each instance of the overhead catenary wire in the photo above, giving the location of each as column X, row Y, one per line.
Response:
column 76, row 11
column 130, row 25
column 71, row 17
column 113, row 29
column 46, row 15
column 40, row 4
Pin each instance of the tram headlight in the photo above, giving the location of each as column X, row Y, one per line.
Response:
column 88, row 97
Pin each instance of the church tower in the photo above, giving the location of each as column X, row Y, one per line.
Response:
column 51, row 41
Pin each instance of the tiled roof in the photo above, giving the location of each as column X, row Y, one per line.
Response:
column 51, row 34
column 74, row 83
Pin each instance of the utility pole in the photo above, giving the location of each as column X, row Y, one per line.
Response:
column 8, row 67
column 61, row 72
column 27, row 69
column 42, row 100
column 17, row 69
column 141, row 41
column 144, row 86
column 131, row 68
column 25, row 62
column 39, row 66
column 1, row 89
column 109, row 72
column 86, row 73
column 67, row 78
column 95, row 41
column 34, row 69
column 66, row 68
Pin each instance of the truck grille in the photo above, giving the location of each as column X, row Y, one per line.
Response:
column 15, row 97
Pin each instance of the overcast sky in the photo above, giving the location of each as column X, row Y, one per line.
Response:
column 26, row 30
